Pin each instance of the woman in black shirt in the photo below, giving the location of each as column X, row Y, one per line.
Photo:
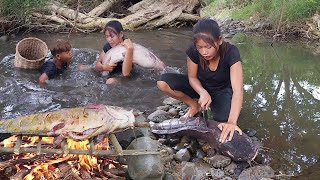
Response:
column 214, row 78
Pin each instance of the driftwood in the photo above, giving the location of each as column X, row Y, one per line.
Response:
column 148, row 14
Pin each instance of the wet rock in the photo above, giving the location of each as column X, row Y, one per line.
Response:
column 218, row 161
column 163, row 108
column 195, row 170
column 257, row 172
column 250, row 132
column 173, row 112
column 171, row 101
column 127, row 136
column 182, row 155
column 148, row 166
column 168, row 176
column 216, row 173
column 159, row 116
column 230, row 169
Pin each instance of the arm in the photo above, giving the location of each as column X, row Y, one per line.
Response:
column 104, row 67
column 205, row 98
column 236, row 76
column 127, row 62
column 228, row 128
column 43, row 78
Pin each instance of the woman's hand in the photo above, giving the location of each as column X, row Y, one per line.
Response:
column 127, row 44
column 204, row 100
column 109, row 67
column 228, row 130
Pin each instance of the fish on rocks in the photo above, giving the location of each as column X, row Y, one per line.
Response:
column 240, row 148
column 141, row 56
column 74, row 123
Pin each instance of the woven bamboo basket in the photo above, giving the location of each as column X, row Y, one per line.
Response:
column 30, row 53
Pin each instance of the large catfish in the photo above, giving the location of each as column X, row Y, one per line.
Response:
column 141, row 56
column 240, row 148
column 75, row 123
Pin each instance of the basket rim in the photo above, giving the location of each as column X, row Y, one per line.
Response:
column 35, row 60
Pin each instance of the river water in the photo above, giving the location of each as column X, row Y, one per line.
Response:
column 282, row 88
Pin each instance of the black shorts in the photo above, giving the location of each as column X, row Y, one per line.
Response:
column 221, row 99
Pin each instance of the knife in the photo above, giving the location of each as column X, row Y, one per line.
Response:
column 205, row 114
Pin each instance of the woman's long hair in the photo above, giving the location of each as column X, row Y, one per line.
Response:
column 208, row 30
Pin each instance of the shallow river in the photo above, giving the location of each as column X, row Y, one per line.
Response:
column 282, row 88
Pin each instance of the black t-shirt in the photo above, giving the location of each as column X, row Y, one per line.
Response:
column 220, row 78
column 51, row 69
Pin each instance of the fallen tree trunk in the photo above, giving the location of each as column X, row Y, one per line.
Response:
column 144, row 14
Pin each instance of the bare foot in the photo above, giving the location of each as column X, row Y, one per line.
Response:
column 193, row 110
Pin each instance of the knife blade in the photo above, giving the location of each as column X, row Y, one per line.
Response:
column 205, row 114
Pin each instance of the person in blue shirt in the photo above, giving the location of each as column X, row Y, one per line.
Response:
column 214, row 78
column 61, row 57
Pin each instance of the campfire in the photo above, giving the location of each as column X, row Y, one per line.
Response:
column 28, row 166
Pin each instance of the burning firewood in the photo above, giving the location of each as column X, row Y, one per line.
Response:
column 20, row 174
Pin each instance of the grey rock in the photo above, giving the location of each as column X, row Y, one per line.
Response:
column 196, row 170
column 163, row 108
column 159, row 116
column 230, row 169
column 173, row 112
column 171, row 101
column 168, row 176
column 216, row 173
column 148, row 166
column 257, row 172
column 182, row 155
column 218, row 161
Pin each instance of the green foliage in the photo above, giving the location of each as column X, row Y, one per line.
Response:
column 20, row 8
column 293, row 10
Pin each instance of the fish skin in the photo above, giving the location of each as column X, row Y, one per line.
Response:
column 74, row 123
column 141, row 56
column 240, row 148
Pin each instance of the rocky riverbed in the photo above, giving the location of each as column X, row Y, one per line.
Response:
column 185, row 157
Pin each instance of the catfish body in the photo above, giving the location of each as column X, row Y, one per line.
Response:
column 240, row 148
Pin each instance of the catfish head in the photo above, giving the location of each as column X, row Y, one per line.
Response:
column 84, row 123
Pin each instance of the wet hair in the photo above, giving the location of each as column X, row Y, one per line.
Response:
column 60, row 46
column 113, row 26
column 208, row 30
